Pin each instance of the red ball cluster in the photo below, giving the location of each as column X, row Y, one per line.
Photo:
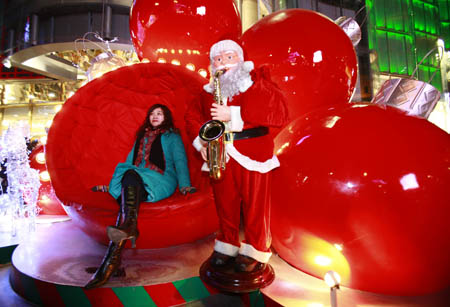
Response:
column 362, row 191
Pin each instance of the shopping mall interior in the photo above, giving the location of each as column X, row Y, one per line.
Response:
column 361, row 187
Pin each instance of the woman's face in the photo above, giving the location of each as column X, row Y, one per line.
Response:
column 156, row 117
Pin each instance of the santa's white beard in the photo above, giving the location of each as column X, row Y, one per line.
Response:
column 231, row 81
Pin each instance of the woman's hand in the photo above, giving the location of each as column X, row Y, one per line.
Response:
column 186, row 190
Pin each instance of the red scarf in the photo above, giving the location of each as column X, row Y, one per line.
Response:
column 150, row 135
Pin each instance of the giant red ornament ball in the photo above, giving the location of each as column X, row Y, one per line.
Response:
column 95, row 130
column 182, row 31
column 363, row 191
column 310, row 58
column 47, row 202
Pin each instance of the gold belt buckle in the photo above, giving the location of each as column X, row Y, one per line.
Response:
column 228, row 137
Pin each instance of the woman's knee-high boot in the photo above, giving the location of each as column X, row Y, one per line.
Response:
column 110, row 262
column 109, row 266
column 131, row 198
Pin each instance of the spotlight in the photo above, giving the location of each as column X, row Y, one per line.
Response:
column 333, row 279
column 40, row 158
column 202, row 72
column 190, row 66
column 44, row 176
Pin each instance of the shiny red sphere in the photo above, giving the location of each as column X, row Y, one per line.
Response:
column 363, row 191
column 47, row 200
column 96, row 129
column 308, row 55
column 182, row 31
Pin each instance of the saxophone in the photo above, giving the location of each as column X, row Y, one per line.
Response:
column 213, row 132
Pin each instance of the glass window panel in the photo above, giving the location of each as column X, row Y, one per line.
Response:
column 12, row 115
column 383, row 56
column 393, row 44
column 435, row 20
column 403, row 63
column 390, row 14
column 445, row 33
column 428, row 19
column 421, row 47
column 433, row 61
column 443, row 9
column 419, row 22
column 40, row 112
column 397, row 15
column 436, row 81
column 42, row 117
column 406, row 16
column 380, row 18
column 423, row 73
column 15, row 94
column 410, row 54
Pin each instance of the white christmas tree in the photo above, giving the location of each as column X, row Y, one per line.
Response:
column 23, row 182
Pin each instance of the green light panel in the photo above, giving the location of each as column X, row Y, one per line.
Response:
column 382, row 49
column 419, row 18
column 443, row 10
column 403, row 31
column 437, row 81
column 444, row 16
column 397, row 51
column 370, row 22
column 411, row 59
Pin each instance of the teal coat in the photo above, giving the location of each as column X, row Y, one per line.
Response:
column 158, row 186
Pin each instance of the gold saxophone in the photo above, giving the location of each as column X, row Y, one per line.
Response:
column 213, row 132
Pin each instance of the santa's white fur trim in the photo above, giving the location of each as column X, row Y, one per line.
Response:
column 248, row 66
column 226, row 248
column 252, row 165
column 198, row 143
column 250, row 251
column 209, row 88
column 236, row 123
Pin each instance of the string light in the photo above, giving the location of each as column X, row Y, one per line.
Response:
column 40, row 158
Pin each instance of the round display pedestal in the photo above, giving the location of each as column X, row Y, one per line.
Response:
column 226, row 279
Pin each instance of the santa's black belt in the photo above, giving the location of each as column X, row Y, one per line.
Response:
column 246, row 134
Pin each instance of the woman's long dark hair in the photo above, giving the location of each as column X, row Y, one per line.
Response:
column 167, row 124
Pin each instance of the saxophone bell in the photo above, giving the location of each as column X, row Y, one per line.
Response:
column 211, row 130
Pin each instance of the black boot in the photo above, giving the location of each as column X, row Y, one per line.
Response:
column 109, row 266
column 218, row 260
column 247, row 264
column 130, row 206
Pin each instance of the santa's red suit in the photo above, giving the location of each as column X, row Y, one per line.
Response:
column 246, row 180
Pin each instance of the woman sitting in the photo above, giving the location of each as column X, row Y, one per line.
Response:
column 153, row 169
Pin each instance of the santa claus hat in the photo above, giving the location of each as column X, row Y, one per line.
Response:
column 226, row 45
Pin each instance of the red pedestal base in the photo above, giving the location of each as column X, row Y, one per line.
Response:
column 226, row 279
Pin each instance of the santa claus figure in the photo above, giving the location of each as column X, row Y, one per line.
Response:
column 251, row 104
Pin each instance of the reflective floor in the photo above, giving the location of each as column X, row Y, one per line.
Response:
column 60, row 252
